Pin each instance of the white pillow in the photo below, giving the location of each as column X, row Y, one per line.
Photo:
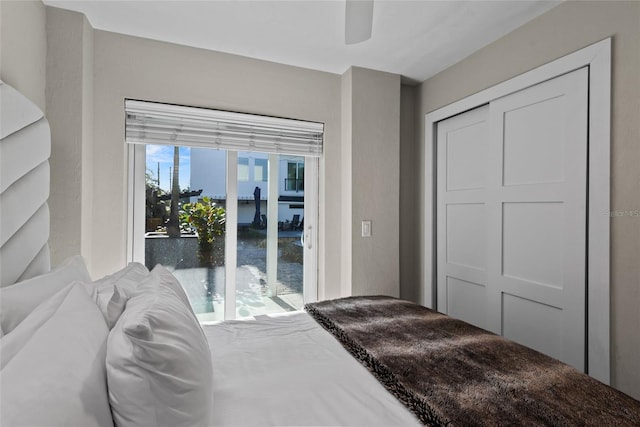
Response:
column 22, row 333
column 58, row 377
column 20, row 299
column 116, row 306
column 168, row 280
column 159, row 368
column 127, row 279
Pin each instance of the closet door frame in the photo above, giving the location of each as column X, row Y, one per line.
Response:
column 598, row 58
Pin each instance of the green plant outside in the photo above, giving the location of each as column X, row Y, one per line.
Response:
column 208, row 220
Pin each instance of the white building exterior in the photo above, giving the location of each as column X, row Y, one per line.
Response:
column 208, row 172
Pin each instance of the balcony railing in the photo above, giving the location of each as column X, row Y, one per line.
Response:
column 291, row 184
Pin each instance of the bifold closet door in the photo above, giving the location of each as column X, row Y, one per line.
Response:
column 463, row 159
column 523, row 227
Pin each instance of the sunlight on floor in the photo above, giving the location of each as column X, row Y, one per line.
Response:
column 205, row 288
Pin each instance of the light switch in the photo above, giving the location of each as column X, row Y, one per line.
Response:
column 366, row 228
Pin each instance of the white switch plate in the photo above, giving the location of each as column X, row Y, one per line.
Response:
column 366, row 228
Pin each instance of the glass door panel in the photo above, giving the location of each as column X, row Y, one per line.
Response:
column 185, row 221
column 269, row 276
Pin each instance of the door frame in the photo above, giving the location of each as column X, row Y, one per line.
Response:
column 136, row 222
column 310, row 230
column 598, row 58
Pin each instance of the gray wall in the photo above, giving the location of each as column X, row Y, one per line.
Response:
column 371, row 173
column 23, row 52
column 70, row 113
column 346, row 206
column 409, row 224
column 564, row 29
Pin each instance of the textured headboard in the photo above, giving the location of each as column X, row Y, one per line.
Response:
column 25, row 147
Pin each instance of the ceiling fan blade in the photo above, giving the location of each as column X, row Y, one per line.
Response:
column 358, row 21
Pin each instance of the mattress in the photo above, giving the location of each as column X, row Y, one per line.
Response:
column 287, row 370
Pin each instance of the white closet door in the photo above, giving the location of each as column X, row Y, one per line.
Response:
column 537, row 211
column 462, row 235
column 528, row 209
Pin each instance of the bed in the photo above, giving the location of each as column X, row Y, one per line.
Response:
column 127, row 349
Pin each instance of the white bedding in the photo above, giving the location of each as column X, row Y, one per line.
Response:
column 287, row 370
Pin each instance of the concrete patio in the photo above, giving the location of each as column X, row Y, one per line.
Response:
column 205, row 287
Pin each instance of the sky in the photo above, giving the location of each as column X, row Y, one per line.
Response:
column 163, row 155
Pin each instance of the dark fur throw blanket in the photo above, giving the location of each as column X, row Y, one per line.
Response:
column 449, row 373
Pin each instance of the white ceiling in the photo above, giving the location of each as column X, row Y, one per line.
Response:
column 415, row 39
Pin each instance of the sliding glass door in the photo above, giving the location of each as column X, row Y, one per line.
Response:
column 236, row 228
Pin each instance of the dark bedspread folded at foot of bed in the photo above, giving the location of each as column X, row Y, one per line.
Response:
column 448, row 372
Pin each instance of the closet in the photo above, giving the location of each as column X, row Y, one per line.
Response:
column 511, row 215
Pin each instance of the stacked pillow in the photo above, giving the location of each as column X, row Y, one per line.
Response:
column 53, row 372
column 110, row 292
column 158, row 362
column 19, row 300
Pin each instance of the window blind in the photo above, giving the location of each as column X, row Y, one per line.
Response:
column 156, row 123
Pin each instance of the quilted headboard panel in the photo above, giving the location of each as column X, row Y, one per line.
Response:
column 25, row 147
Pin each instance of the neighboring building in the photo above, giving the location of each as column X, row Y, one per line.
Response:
column 208, row 172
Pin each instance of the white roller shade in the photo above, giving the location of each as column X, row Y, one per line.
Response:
column 155, row 123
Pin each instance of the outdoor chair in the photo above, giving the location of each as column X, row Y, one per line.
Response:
column 295, row 222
